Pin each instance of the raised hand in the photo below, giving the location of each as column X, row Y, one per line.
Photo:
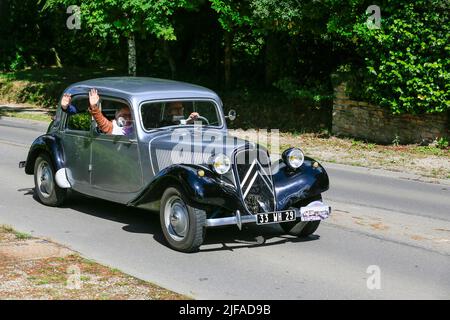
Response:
column 94, row 98
column 65, row 100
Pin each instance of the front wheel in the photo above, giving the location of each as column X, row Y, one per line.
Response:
column 302, row 228
column 183, row 226
column 45, row 187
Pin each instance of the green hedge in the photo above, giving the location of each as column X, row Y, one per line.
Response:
column 406, row 64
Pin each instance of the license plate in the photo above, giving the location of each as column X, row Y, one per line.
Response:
column 314, row 213
column 275, row 217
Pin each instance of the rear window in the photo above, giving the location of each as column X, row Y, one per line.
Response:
column 80, row 121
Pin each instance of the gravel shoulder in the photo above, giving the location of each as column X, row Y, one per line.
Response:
column 33, row 268
column 425, row 161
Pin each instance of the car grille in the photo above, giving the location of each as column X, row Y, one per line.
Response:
column 254, row 180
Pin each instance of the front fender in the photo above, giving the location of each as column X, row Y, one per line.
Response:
column 200, row 192
column 292, row 186
column 50, row 144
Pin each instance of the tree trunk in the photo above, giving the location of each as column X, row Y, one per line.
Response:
column 131, row 56
column 170, row 59
column 271, row 59
column 227, row 58
column 218, row 61
column 57, row 58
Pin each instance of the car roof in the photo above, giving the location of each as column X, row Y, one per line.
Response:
column 142, row 88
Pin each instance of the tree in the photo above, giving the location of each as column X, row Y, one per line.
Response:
column 23, row 38
column 272, row 17
column 232, row 15
column 116, row 19
column 298, row 55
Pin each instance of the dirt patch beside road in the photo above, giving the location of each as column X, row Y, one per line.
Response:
column 32, row 268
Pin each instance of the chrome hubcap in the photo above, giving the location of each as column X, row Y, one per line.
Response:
column 45, row 181
column 176, row 218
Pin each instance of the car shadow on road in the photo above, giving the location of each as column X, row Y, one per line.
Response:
column 136, row 220
column 28, row 191
column 231, row 238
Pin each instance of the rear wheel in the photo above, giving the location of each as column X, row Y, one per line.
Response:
column 302, row 228
column 45, row 187
column 183, row 226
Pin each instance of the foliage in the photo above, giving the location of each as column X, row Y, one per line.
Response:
column 442, row 143
column 116, row 18
column 231, row 13
column 80, row 121
column 404, row 65
column 43, row 87
column 18, row 62
column 287, row 47
column 314, row 93
column 269, row 110
column 291, row 16
column 19, row 29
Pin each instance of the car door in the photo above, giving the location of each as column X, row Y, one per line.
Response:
column 116, row 170
column 77, row 143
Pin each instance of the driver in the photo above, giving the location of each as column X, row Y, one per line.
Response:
column 175, row 113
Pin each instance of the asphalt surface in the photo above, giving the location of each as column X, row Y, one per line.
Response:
column 258, row 263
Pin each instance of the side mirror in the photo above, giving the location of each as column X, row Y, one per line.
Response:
column 231, row 115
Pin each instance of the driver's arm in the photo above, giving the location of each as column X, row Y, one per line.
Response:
column 192, row 117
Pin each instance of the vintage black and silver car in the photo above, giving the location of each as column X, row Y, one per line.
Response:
column 194, row 173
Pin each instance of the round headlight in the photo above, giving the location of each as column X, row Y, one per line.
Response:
column 220, row 163
column 293, row 158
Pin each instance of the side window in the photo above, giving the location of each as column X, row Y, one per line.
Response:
column 81, row 120
column 120, row 114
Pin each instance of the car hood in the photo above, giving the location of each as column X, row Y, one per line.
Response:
column 192, row 146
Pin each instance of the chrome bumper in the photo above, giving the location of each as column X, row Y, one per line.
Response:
column 239, row 219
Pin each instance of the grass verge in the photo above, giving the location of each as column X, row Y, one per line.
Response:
column 32, row 268
column 43, row 87
column 41, row 116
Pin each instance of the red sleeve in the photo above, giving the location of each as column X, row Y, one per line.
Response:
column 104, row 124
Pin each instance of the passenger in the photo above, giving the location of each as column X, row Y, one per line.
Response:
column 121, row 125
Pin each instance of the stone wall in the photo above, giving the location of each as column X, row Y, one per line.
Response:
column 370, row 122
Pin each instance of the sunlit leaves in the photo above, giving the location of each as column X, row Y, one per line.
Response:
column 115, row 18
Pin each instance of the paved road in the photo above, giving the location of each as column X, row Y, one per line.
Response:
column 258, row 263
column 350, row 185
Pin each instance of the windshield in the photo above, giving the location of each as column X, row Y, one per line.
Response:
column 179, row 113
